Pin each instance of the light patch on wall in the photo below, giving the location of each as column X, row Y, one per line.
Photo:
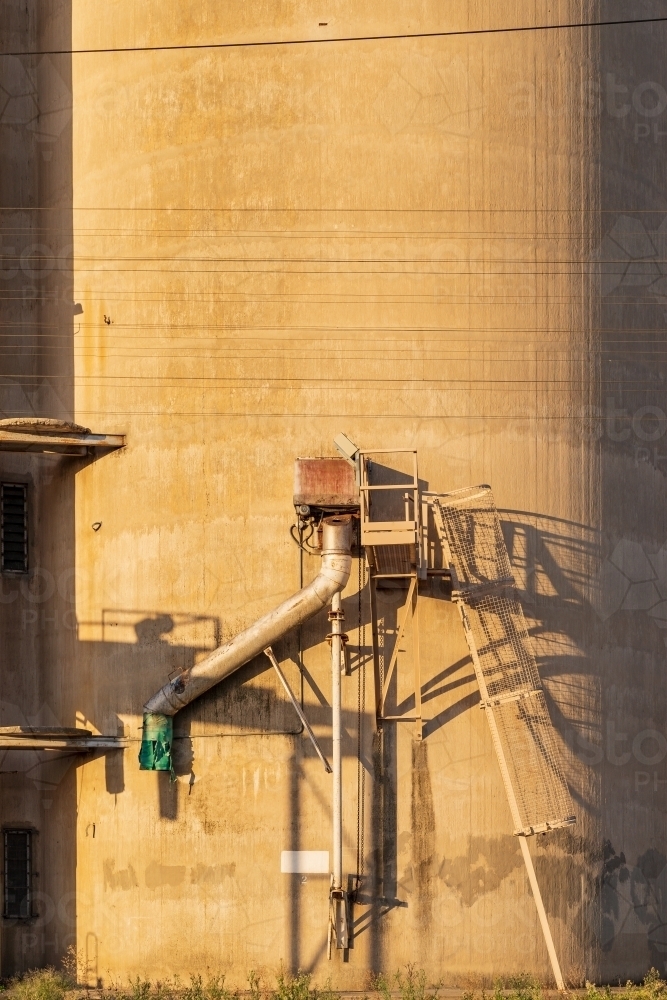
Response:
column 304, row 862
column 158, row 875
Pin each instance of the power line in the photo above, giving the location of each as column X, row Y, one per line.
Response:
column 528, row 272
column 488, row 356
column 278, row 331
column 288, row 415
column 105, row 258
column 333, row 384
column 323, row 260
column 290, row 209
column 498, row 298
column 271, row 43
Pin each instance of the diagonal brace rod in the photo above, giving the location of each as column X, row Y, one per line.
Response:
column 542, row 914
column 512, row 801
column 401, row 629
column 297, row 708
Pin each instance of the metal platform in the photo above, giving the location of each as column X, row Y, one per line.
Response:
column 390, row 513
column 43, row 435
column 59, row 738
column 390, row 530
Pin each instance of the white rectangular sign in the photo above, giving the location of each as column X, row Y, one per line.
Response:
column 304, row 862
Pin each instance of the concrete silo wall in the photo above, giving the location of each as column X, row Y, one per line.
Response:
column 442, row 243
column 37, row 614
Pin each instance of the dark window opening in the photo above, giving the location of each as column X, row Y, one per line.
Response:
column 18, row 874
column 14, row 528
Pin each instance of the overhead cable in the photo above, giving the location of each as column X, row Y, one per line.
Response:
column 274, row 42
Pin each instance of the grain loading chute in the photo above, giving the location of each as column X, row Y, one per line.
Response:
column 394, row 539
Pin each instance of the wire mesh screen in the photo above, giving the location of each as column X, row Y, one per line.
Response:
column 500, row 646
column 532, row 757
column 503, row 645
column 478, row 549
column 397, row 559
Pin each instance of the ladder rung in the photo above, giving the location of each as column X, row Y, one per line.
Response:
column 503, row 699
column 554, row 824
column 480, row 589
column 399, row 718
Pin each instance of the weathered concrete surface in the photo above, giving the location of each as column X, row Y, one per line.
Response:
column 448, row 243
column 38, row 618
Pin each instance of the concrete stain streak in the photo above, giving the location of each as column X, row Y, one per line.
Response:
column 423, row 832
column 211, row 874
column 488, row 862
column 124, row 879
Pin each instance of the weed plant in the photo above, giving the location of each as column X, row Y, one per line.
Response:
column 521, row 987
column 653, row 988
column 213, row 988
column 409, row 983
column 39, row 984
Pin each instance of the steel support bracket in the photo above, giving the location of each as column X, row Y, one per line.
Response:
column 297, row 707
column 339, row 920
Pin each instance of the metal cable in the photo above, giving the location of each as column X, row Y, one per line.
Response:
column 303, row 542
column 334, row 39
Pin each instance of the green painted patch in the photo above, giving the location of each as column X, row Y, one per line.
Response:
column 156, row 741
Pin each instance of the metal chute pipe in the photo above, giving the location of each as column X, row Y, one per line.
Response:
column 332, row 578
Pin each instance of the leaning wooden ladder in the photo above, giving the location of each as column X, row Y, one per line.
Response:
column 511, row 690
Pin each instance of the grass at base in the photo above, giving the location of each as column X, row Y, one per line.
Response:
column 408, row 984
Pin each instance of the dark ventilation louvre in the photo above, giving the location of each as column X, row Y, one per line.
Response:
column 18, row 871
column 14, row 528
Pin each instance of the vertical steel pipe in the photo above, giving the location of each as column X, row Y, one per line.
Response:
column 337, row 757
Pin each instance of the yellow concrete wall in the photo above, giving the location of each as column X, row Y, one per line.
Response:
column 394, row 237
column 290, row 241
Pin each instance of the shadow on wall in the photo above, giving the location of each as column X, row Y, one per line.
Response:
column 633, row 493
column 556, row 564
column 554, row 558
column 37, row 374
column 600, row 650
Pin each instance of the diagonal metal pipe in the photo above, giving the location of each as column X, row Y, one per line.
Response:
column 334, row 573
